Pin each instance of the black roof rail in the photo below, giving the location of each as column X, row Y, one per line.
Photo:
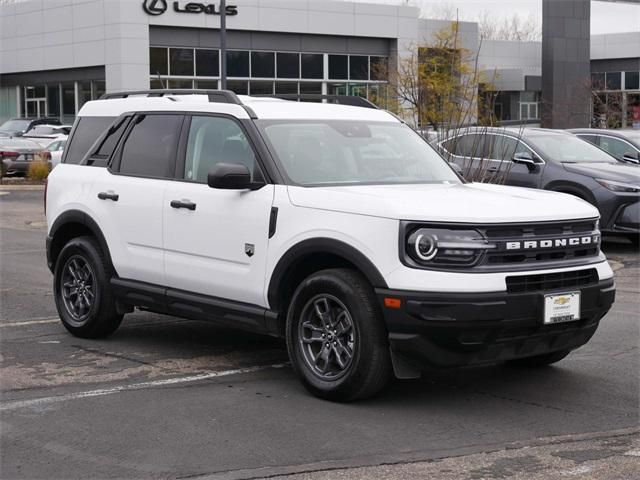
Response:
column 216, row 96
column 351, row 100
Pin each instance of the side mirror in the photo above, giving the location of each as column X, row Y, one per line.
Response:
column 632, row 157
column 231, row 176
column 525, row 158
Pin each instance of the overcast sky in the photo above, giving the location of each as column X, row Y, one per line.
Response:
column 606, row 17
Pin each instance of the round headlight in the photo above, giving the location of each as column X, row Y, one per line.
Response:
column 426, row 246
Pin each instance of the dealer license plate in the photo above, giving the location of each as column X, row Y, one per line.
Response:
column 562, row 308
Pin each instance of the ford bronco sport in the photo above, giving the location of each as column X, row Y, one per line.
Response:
column 334, row 226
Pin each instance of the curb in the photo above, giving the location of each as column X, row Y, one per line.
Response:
column 9, row 188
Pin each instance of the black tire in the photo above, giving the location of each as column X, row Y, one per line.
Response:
column 540, row 360
column 92, row 312
column 343, row 296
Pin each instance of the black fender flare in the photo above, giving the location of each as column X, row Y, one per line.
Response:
column 573, row 188
column 75, row 216
column 320, row 246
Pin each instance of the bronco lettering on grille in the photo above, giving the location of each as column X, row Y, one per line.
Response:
column 550, row 243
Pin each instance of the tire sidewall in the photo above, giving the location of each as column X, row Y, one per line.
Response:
column 84, row 248
column 327, row 283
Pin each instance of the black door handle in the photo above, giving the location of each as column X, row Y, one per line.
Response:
column 108, row 196
column 492, row 169
column 183, row 204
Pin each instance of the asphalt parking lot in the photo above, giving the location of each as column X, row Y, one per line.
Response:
column 171, row 398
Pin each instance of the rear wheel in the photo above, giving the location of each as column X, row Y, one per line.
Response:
column 82, row 290
column 541, row 360
column 336, row 337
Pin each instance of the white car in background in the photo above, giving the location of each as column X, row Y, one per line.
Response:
column 56, row 148
column 45, row 134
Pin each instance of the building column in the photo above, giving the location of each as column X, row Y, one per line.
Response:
column 566, row 69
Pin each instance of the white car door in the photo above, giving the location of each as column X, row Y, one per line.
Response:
column 128, row 197
column 216, row 243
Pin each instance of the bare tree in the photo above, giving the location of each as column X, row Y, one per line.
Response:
column 513, row 28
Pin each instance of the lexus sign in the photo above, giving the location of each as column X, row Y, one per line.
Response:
column 158, row 7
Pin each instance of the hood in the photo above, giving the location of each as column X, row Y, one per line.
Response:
column 455, row 203
column 621, row 172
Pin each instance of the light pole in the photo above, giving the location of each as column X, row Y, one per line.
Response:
column 223, row 45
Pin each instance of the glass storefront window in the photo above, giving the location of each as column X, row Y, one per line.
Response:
column 158, row 61
column 339, row 67
column 68, row 102
column 84, row 93
column 263, row 64
column 312, row 65
column 358, row 67
column 597, row 81
column 181, row 61
column 156, row 84
column 337, row 88
column 237, row 63
column 287, row 87
column 207, row 63
column 378, row 68
column 632, row 80
column 311, row 87
column 614, row 80
column 53, row 100
column 358, row 90
column 240, row 87
column 207, row 84
column 288, row 65
column 181, row 84
column 261, row 88
column 99, row 87
column 35, row 92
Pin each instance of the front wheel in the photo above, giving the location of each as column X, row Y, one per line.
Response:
column 82, row 291
column 540, row 360
column 336, row 337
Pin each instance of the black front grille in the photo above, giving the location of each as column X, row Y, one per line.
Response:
column 503, row 235
column 551, row 281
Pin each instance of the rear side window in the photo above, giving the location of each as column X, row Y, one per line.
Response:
column 150, row 148
column 86, row 132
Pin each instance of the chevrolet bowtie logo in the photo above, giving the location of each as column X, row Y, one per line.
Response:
column 561, row 301
column 155, row 7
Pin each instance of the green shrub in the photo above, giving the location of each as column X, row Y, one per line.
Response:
column 38, row 170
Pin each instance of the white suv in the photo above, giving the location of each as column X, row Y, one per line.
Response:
column 334, row 226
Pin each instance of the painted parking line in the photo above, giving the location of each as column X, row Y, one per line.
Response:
column 39, row 402
column 33, row 321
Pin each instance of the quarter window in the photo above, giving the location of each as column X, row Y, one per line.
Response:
column 214, row 140
column 85, row 133
column 150, row 148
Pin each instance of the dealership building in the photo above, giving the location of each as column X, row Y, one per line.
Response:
column 55, row 55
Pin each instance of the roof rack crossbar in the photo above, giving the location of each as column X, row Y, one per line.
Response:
column 350, row 100
column 216, row 96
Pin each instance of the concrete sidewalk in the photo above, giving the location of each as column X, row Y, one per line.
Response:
column 612, row 456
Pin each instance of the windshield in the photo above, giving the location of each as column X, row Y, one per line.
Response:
column 14, row 126
column 353, row 152
column 569, row 149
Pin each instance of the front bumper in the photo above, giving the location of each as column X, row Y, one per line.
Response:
column 451, row 329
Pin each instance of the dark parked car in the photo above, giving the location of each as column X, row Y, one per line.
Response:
column 16, row 127
column 622, row 144
column 17, row 154
column 552, row 160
